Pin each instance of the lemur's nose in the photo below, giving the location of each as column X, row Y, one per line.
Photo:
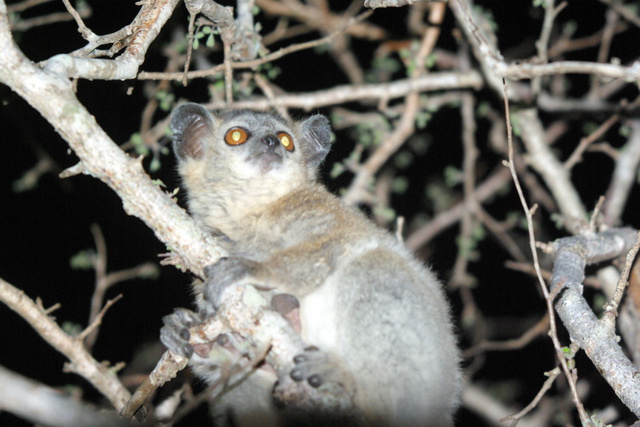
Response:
column 271, row 140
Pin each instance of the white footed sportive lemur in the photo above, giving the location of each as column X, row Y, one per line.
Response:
column 364, row 300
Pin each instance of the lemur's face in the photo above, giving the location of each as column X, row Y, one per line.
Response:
column 249, row 146
column 263, row 142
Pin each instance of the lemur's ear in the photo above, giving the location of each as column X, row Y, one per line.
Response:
column 316, row 139
column 192, row 126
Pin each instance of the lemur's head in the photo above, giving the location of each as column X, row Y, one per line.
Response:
column 248, row 143
column 248, row 153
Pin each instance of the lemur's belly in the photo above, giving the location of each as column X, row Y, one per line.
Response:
column 318, row 316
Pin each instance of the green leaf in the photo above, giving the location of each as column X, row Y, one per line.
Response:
column 403, row 159
column 155, row 165
column 336, row 170
column 71, row 328
column 568, row 353
column 211, row 41
column 385, row 212
column 453, row 176
column 138, row 144
column 83, row 260
column 400, row 185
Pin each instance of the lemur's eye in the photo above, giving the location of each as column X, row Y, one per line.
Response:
column 286, row 140
column 236, row 136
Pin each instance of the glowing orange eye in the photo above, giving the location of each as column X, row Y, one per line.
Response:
column 286, row 140
column 236, row 136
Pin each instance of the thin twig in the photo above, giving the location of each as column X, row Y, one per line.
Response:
column 24, row 5
column 611, row 19
column 470, row 154
column 595, row 217
column 500, row 233
column 82, row 28
column 624, row 11
column 97, row 321
column 532, row 243
column 611, row 309
column 228, row 69
column 624, row 175
column 187, row 62
column 540, row 328
column 585, row 142
column 542, row 44
column 405, row 125
column 552, row 375
column 488, row 188
column 82, row 362
column 256, row 62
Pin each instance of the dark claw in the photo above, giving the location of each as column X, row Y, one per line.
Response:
column 209, row 270
column 187, row 351
column 312, row 366
column 301, row 358
column 297, row 375
column 315, row 381
column 175, row 333
column 223, row 340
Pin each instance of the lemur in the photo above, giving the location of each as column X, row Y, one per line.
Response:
column 364, row 300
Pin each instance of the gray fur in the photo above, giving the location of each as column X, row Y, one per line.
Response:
column 379, row 314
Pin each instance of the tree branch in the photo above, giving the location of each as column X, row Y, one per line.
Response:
column 624, row 176
column 53, row 97
column 552, row 171
column 82, row 362
column 596, row 337
column 140, row 34
column 101, row 158
column 496, row 68
column 349, row 93
column 40, row 404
